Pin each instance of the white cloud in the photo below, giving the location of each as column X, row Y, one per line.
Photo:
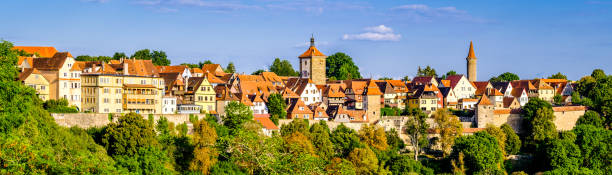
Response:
column 371, row 36
column 380, row 29
column 422, row 12
column 375, row 33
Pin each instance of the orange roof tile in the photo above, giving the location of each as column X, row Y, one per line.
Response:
column 29, row 60
column 446, row 83
column 312, row 51
column 299, row 108
column 27, row 72
column 42, row 51
column 266, row 122
column 569, row 108
column 373, row 89
column 484, row 100
column 172, row 69
column 196, row 70
column 471, row 53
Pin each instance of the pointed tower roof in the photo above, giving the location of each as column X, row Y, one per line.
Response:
column 471, row 54
column 312, row 51
column 484, row 100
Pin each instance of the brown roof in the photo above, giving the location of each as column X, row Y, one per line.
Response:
column 484, row 100
column 53, row 63
column 213, row 68
column 421, row 80
column 141, row 67
column 517, row 92
column 271, row 76
column 196, row 70
column 526, row 84
column 538, row 83
column 481, row 86
column 312, row 51
column 494, row 92
column 169, row 69
column 334, row 91
column 454, row 80
column 42, row 51
column 265, row 122
column 508, row 101
column 224, row 94
column 27, row 72
column 244, row 99
column 297, row 85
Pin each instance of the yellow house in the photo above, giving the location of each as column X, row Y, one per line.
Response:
column 202, row 93
column 33, row 78
column 106, row 90
column 425, row 98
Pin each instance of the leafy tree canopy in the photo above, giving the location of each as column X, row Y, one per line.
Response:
column 340, row 66
column 230, row 68
column 276, row 106
column 506, row 76
column 558, row 75
column 427, row 72
column 236, row 115
column 482, row 154
column 283, row 68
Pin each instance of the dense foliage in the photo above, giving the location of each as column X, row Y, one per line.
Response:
column 427, row 72
column 506, row 76
column 276, row 107
column 340, row 66
column 482, row 153
column 59, row 106
column 283, row 68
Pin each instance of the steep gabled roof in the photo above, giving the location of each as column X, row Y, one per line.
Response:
column 372, row 89
column 454, row 79
column 422, row 80
column 29, row 60
column 484, row 100
column 27, row 72
column 299, row 108
column 213, row 68
column 169, row 69
column 312, row 51
column 54, row 63
column 508, row 101
column 141, row 67
column 288, row 93
column 244, row 99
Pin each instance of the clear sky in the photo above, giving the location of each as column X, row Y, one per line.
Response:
column 384, row 38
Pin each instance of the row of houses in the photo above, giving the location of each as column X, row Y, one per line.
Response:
column 130, row 85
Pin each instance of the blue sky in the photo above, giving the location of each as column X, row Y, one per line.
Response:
column 384, row 38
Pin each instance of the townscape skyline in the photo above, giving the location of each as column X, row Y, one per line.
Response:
column 385, row 39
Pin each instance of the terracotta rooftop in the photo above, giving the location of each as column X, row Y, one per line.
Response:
column 265, row 122
column 42, row 51
column 484, row 100
column 471, row 53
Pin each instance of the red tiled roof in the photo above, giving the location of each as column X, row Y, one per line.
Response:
column 265, row 121
column 484, row 100
column 42, row 51
column 312, row 51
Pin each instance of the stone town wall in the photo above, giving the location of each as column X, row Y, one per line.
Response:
column 88, row 120
column 565, row 118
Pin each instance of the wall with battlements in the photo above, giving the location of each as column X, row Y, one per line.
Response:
column 565, row 117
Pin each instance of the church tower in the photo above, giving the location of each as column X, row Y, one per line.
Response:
column 312, row 64
column 471, row 63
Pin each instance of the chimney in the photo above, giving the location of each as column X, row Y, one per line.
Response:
column 125, row 69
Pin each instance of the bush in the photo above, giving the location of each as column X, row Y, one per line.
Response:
column 59, row 106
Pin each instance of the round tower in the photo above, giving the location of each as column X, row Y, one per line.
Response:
column 471, row 63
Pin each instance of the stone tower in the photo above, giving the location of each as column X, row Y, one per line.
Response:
column 312, row 64
column 471, row 63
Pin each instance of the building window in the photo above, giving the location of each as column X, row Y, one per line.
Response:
column 106, row 100
column 106, row 91
column 118, row 110
column 423, row 102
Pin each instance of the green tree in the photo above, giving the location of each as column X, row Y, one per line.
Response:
column 449, row 127
column 341, row 67
column 364, row 160
column 416, row 129
column 160, row 58
column 558, row 75
column 558, row 99
column 595, row 144
column 92, row 58
column 590, row 118
column 513, row 142
column 499, row 135
column 144, row 54
column 130, row 133
column 255, row 153
column 319, row 135
column 563, row 153
column 345, row 140
column 427, row 72
column 339, row 166
column 506, row 76
column 283, row 68
column 119, row 55
column 482, row 154
column 406, row 165
column 597, row 93
column 276, row 106
column 59, row 106
column 449, row 73
column 296, row 125
column 542, row 126
column 373, row 136
column 385, row 78
column 148, row 160
column 230, row 68
column 393, row 140
column 406, row 78
column 236, row 115
column 258, row 72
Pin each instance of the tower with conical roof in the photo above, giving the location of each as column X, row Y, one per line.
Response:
column 471, row 63
column 312, row 64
